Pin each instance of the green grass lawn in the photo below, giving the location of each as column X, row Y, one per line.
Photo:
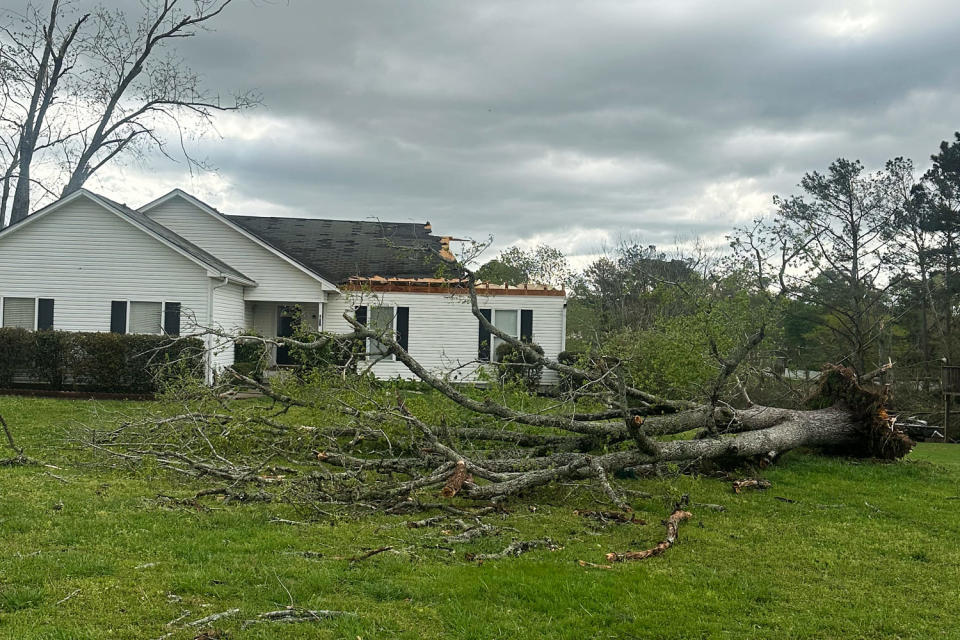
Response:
column 861, row 550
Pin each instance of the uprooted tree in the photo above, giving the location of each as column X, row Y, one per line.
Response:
column 387, row 451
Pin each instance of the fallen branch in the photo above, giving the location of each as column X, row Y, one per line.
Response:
column 456, row 481
column 673, row 529
column 19, row 459
column 514, row 549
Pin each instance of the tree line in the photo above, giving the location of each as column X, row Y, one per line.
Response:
column 872, row 277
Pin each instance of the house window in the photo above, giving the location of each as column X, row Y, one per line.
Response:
column 145, row 317
column 516, row 323
column 20, row 313
column 508, row 321
column 381, row 320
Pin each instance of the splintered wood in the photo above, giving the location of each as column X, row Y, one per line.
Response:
column 673, row 529
column 456, row 480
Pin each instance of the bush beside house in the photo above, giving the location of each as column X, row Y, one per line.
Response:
column 108, row 362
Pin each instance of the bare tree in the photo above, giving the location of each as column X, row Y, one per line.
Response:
column 82, row 90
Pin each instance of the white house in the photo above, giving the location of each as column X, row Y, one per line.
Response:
column 87, row 263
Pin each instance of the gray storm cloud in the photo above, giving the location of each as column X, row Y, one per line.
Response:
column 567, row 122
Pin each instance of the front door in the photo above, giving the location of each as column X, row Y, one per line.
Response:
column 287, row 317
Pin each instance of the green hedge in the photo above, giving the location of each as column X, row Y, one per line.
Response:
column 109, row 362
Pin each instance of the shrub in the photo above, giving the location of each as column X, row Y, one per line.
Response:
column 250, row 358
column 97, row 361
column 51, row 357
column 16, row 348
column 515, row 365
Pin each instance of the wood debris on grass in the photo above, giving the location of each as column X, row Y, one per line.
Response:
column 515, row 549
column 294, row 615
column 751, row 483
column 673, row 529
column 370, row 554
column 610, row 516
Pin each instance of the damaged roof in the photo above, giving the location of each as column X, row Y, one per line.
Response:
column 339, row 250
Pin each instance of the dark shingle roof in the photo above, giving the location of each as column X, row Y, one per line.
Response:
column 177, row 240
column 341, row 249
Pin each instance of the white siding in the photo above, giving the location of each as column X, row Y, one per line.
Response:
column 84, row 257
column 444, row 334
column 276, row 279
column 228, row 316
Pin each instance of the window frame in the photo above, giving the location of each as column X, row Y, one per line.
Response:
column 493, row 339
column 163, row 311
column 379, row 357
column 36, row 310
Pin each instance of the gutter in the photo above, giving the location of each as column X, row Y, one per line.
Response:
column 210, row 338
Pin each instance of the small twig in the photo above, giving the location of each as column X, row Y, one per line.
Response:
column 290, row 522
column 591, row 565
column 370, row 554
column 59, row 602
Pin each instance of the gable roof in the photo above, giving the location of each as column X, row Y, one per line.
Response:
column 212, row 211
column 178, row 240
column 159, row 232
column 341, row 249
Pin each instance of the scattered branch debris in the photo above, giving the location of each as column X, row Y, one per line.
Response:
column 611, row 516
column 673, row 529
column 474, row 532
column 294, row 615
column 515, row 549
column 426, row 522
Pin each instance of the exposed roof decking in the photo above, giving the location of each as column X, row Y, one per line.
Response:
column 341, row 249
column 447, row 286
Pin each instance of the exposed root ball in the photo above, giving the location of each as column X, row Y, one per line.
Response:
column 880, row 437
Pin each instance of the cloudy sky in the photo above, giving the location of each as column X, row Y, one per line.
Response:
column 569, row 123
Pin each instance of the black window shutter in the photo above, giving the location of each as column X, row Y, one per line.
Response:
column 361, row 315
column 526, row 325
column 483, row 352
column 403, row 326
column 118, row 316
column 171, row 319
column 45, row 314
